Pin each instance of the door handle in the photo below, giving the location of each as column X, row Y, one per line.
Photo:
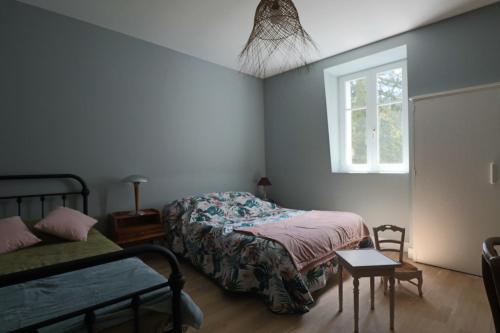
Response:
column 493, row 173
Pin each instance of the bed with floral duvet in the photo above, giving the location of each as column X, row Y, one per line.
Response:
column 201, row 229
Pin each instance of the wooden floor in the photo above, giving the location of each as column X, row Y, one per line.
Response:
column 452, row 302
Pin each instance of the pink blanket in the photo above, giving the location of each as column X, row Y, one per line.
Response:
column 312, row 238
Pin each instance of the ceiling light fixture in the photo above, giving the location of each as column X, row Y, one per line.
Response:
column 277, row 38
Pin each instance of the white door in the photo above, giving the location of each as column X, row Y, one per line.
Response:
column 455, row 207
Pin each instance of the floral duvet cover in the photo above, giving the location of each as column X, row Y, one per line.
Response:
column 200, row 228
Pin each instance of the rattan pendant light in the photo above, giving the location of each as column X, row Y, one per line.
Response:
column 277, row 38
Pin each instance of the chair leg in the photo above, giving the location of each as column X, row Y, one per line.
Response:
column 384, row 279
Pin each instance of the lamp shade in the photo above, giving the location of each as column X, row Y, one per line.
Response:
column 264, row 181
column 135, row 179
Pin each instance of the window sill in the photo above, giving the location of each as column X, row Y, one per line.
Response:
column 340, row 172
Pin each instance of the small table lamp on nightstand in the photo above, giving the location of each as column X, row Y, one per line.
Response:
column 136, row 180
column 263, row 183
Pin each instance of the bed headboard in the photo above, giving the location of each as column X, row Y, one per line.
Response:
column 84, row 192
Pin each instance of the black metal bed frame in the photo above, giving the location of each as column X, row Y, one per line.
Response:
column 175, row 282
column 84, row 192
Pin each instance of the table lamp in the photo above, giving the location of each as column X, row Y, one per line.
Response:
column 136, row 180
column 263, row 183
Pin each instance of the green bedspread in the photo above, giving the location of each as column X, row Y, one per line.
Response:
column 52, row 251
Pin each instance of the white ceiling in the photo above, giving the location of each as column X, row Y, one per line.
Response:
column 216, row 30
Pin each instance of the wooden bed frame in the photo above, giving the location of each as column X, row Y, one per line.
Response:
column 175, row 282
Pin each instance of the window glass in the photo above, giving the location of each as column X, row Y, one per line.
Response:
column 358, row 137
column 389, row 100
column 356, row 94
column 356, row 119
column 390, row 86
column 390, row 133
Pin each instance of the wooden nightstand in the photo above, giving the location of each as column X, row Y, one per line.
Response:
column 126, row 228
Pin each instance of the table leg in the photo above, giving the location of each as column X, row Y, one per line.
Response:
column 372, row 292
column 356, row 303
column 341, row 282
column 391, row 295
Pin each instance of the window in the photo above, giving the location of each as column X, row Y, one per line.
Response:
column 370, row 122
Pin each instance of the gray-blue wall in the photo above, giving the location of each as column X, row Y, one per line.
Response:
column 78, row 98
column 455, row 53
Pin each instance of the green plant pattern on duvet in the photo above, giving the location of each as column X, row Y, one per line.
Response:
column 200, row 228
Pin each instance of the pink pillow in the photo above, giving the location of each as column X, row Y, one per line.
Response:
column 14, row 234
column 67, row 223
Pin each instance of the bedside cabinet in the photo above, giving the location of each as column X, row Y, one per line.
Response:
column 126, row 228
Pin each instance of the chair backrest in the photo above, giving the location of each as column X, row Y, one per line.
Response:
column 491, row 277
column 400, row 242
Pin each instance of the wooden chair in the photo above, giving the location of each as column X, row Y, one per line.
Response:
column 491, row 277
column 406, row 272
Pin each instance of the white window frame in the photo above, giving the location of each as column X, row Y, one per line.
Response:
column 373, row 164
column 336, row 129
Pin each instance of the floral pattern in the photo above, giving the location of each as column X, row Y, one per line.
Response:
column 200, row 228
